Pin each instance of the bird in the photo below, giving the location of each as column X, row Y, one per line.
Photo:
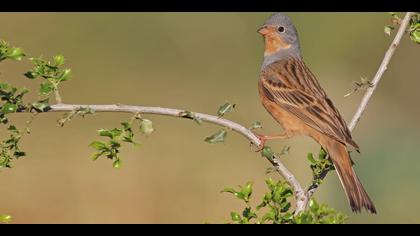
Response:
column 290, row 92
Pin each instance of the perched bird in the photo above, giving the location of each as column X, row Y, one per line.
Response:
column 290, row 92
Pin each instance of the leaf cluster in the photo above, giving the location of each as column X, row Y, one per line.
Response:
column 8, row 52
column 275, row 207
column 52, row 73
column 320, row 166
column 116, row 136
column 10, row 147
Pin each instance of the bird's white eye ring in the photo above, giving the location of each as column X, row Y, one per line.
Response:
column 281, row 29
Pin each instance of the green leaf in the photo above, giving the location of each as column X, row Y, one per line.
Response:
column 229, row 190
column 311, row 158
column 5, row 218
column 110, row 133
column 46, row 88
column 218, row 137
column 396, row 20
column 388, row 29
column 41, row 105
column 269, row 216
column 246, row 191
column 13, row 129
column 313, row 205
column 277, row 195
column 105, row 133
column 415, row 32
column 66, row 75
column 18, row 154
column 255, row 125
column 146, row 126
column 288, row 217
column 287, row 193
column 304, row 218
column 270, row 183
column 3, row 119
column 117, row 163
column 128, row 139
column 5, row 86
column 322, row 154
column 58, row 60
column 415, row 36
column 285, row 207
column 115, row 144
column 31, row 75
column 15, row 54
column 248, row 214
column 98, row 145
column 9, row 108
column 21, row 92
column 267, row 196
column 225, row 108
column 240, row 195
column 262, row 204
column 96, row 155
column 126, row 125
column 235, row 216
column 267, row 152
column 320, row 214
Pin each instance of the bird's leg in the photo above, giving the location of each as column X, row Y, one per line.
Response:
column 264, row 138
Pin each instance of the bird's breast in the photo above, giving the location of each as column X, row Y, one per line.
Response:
column 288, row 122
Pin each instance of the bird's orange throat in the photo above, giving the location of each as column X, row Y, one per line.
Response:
column 274, row 43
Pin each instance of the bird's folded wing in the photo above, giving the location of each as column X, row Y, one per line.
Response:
column 309, row 104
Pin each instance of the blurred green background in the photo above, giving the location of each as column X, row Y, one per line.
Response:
column 197, row 61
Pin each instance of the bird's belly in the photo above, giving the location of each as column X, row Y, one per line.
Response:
column 288, row 121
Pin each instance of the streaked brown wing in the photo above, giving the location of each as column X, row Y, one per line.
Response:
column 291, row 85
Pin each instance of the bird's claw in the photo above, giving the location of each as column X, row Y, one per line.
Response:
column 262, row 139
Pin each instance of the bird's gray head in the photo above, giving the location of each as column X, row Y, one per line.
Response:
column 281, row 38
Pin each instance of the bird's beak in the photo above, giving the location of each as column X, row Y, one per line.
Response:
column 263, row 30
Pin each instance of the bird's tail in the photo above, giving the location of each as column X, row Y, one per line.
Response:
column 355, row 192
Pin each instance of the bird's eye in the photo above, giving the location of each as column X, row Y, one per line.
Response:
column 281, row 29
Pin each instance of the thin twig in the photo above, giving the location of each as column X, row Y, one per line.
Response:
column 382, row 68
column 374, row 83
column 58, row 97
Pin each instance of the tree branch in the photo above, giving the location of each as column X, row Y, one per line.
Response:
column 58, row 97
column 374, row 83
column 301, row 198
column 160, row 111
column 382, row 68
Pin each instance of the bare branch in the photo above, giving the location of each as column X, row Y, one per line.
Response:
column 58, row 97
column 160, row 111
column 301, row 198
column 382, row 68
column 374, row 83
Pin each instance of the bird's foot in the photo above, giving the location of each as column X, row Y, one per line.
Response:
column 264, row 138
